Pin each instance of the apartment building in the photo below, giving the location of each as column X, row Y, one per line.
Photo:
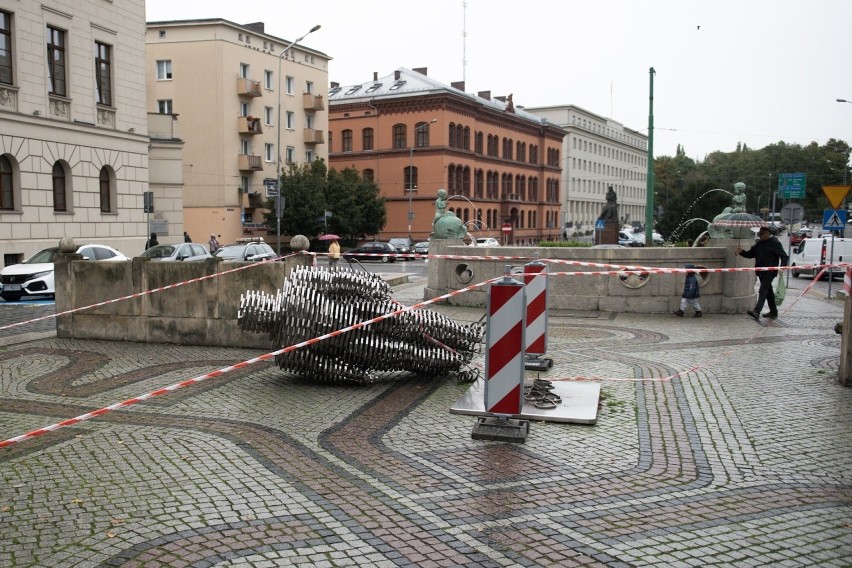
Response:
column 228, row 83
column 413, row 135
column 73, row 139
column 598, row 152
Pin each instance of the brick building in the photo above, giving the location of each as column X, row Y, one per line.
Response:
column 414, row 135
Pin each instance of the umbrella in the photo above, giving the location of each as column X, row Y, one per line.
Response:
column 329, row 237
column 739, row 220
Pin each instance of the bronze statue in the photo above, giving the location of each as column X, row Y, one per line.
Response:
column 446, row 225
column 609, row 214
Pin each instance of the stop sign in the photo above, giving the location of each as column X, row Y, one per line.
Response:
column 507, row 228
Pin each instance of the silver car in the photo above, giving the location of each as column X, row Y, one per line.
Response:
column 181, row 251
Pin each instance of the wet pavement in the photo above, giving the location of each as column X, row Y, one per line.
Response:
column 744, row 460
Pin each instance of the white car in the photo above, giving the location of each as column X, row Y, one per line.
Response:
column 486, row 242
column 34, row 276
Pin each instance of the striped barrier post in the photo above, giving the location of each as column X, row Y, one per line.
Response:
column 535, row 279
column 504, row 357
column 847, row 282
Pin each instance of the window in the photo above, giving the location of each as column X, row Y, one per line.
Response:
column 56, row 61
column 245, row 147
column 421, row 135
column 288, row 85
column 7, row 178
column 244, row 109
column 290, row 155
column 269, row 152
column 309, row 156
column 373, row 87
column 60, row 187
column 368, row 175
column 164, row 70
column 267, row 79
column 291, row 120
column 107, row 186
column 346, row 137
column 309, row 121
column 309, row 87
column 244, row 70
column 399, row 136
column 164, row 106
column 398, row 85
column 103, row 73
column 244, row 184
column 352, row 90
column 267, row 115
column 6, row 48
column 367, row 136
column 410, row 174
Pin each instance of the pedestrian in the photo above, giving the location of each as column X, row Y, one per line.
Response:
column 766, row 252
column 186, row 237
column 213, row 243
column 690, row 294
column 152, row 242
column 333, row 253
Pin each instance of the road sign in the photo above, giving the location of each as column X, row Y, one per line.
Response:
column 148, row 202
column 792, row 213
column 599, row 226
column 791, row 186
column 833, row 220
column 271, row 187
column 507, row 228
column 835, row 194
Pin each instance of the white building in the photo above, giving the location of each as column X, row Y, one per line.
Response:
column 73, row 128
column 598, row 152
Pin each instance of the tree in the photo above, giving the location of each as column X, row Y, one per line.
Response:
column 357, row 209
column 303, row 191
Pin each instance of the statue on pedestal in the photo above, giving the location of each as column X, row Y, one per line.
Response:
column 609, row 214
column 445, row 224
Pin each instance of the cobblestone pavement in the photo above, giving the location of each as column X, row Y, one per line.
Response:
column 744, row 461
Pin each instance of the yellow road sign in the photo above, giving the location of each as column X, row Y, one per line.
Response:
column 836, row 194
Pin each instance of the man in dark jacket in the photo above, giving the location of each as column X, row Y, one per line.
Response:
column 767, row 251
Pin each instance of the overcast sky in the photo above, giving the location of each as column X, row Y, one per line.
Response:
column 727, row 71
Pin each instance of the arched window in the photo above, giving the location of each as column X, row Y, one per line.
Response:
column 7, row 184
column 459, row 136
column 367, row 138
column 399, row 136
column 477, row 144
column 106, row 182
column 478, row 184
column 466, row 138
column 451, row 179
column 368, row 175
column 410, row 175
column 61, row 187
column 421, row 134
column 451, row 134
column 346, row 140
column 466, row 182
column 521, row 187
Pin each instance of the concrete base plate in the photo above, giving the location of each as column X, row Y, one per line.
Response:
column 579, row 403
column 494, row 429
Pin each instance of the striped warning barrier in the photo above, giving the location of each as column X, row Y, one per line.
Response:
column 847, row 282
column 504, row 355
column 535, row 279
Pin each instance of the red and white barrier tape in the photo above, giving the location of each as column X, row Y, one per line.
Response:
column 220, row 372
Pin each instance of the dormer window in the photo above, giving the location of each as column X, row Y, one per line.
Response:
column 334, row 91
column 373, row 87
column 397, row 85
column 352, row 90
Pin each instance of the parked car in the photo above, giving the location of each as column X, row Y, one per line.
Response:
column 403, row 245
column 421, row 247
column 34, row 276
column 486, row 242
column 626, row 239
column 818, row 251
column 183, row 251
column 799, row 236
column 252, row 252
column 385, row 252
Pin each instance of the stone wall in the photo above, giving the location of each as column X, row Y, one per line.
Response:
column 658, row 293
column 198, row 313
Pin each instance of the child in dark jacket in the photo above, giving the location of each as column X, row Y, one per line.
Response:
column 690, row 294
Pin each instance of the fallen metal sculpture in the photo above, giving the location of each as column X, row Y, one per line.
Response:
column 314, row 302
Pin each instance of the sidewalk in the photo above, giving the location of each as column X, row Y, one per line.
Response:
column 744, row 461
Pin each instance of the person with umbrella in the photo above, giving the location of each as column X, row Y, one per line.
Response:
column 333, row 249
column 767, row 251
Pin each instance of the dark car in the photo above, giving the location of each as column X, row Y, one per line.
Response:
column 385, row 252
column 799, row 236
column 253, row 252
column 403, row 245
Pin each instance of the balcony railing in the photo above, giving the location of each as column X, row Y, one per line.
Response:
column 314, row 136
column 249, row 125
column 313, row 102
column 249, row 163
column 248, row 88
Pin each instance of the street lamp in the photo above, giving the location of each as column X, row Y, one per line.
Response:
column 411, row 188
column 843, row 101
column 278, row 141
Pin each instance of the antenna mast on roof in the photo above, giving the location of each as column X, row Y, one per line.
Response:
column 464, row 40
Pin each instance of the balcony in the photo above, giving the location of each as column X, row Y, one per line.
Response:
column 314, row 136
column 249, row 163
column 252, row 200
column 313, row 102
column 248, row 88
column 249, row 125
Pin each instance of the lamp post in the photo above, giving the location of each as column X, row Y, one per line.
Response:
column 278, row 141
column 843, row 101
column 411, row 188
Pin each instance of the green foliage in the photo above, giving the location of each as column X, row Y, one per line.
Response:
column 310, row 189
column 563, row 244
